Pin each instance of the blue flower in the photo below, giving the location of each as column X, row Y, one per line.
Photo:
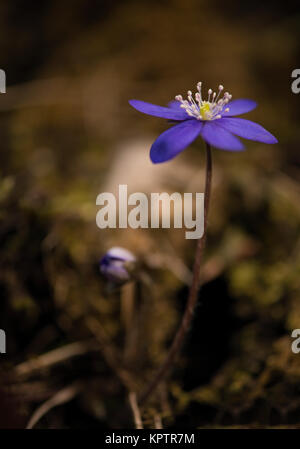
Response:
column 214, row 119
column 116, row 265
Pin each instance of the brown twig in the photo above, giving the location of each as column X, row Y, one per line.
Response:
column 135, row 411
column 110, row 356
column 55, row 356
column 128, row 306
column 192, row 298
column 157, row 421
column 61, row 397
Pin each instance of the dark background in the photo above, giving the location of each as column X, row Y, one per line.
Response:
column 67, row 133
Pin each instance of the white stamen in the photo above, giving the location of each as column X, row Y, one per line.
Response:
column 220, row 90
column 199, row 87
column 210, row 109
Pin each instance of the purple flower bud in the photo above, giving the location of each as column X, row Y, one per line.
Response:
column 117, row 265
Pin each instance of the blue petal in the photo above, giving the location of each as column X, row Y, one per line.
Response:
column 174, row 140
column 247, row 129
column 115, row 272
column 159, row 111
column 175, row 104
column 218, row 137
column 239, row 106
column 119, row 253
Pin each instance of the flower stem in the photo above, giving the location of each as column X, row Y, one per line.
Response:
column 193, row 294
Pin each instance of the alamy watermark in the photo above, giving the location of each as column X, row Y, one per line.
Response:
column 2, row 82
column 2, row 342
column 295, row 86
column 296, row 343
column 139, row 211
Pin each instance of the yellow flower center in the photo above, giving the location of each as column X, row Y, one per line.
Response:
column 205, row 110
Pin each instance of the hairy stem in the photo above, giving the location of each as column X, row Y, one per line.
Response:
column 192, row 298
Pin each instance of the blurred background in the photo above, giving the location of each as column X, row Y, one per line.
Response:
column 68, row 134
